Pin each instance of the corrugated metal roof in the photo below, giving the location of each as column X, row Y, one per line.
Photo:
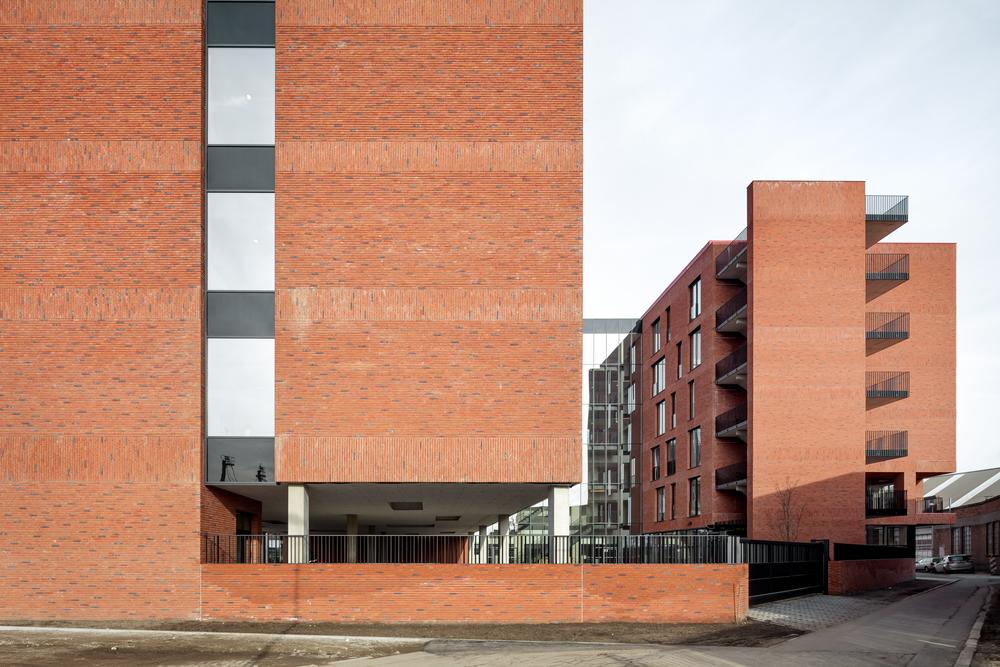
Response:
column 964, row 488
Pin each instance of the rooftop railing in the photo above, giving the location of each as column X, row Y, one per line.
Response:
column 519, row 549
column 887, row 208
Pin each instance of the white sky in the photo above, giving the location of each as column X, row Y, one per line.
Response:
column 685, row 103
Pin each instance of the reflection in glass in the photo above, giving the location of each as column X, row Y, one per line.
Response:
column 239, row 461
column 241, row 241
column 240, row 96
column 240, row 387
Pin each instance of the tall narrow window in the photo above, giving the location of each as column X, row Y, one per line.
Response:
column 694, row 447
column 673, row 409
column 661, row 504
column 656, row 335
column 691, row 399
column 673, row 501
column 659, row 376
column 631, row 470
column 680, row 360
column 695, row 348
column 631, row 359
column 694, row 291
column 630, row 398
column 694, row 496
column 661, row 418
column 656, row 463
column 666, row 325
column 671, row 456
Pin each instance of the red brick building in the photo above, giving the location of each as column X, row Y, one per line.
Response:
column 298, row 267
column 799, row 382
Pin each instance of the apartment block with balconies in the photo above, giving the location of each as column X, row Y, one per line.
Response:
column 809, row 374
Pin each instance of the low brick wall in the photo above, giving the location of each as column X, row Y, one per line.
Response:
column 475, row 593
column 856, row 576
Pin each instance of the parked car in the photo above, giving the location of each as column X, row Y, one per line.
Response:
column 927, row 564
column 954, row 563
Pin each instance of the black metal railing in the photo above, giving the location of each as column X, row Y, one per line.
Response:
column 887, row 208
column 731, row 362
column 784, row 569
column 882, row 502
column 732, row 473
column 731, row 308
column 730, row 419
column 733, row 254
column 887, row 384
column 519, row 549
column 882, row 326
column 887, row 266
column 885, row 445
column 933, row 504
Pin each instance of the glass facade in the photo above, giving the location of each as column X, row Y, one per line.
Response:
column 610, row 421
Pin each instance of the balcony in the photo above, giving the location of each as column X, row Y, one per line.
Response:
column 732, row 478
column 731, row 317
column 885, row 445
column 732, row 369
column 884, row 214
column 883, row 387
column 731, row 264
column 933, row 505
column 732, row 423
column 882, row 502
column 883, row 271
column 883, row 330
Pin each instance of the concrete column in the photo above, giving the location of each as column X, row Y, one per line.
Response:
column 482, row 544
column 352, row 538
column 298, row 523
column 504, row 532
column 559, row 524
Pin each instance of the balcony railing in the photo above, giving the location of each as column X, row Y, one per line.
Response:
column 933, row 504
column 880, row 502
column 731, row 264
column 887, row 384
column 887, row 266
column 887, row 326
column 731, row 369
column 732, row 423
column 882, row 445
column 518, row 549
column 887, row 208
column 732, row 477
column 731, row 316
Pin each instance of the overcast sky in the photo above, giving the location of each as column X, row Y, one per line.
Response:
column 686, row 102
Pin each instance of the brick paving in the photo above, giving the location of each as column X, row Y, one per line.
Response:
column 815, row 612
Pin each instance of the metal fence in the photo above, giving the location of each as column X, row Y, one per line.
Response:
column 887, row 266
column 470, row 549
column 887, row 208
column 887, row 384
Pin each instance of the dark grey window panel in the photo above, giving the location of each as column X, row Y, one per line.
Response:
column 240, row 24
column 239, row 461
column 240, row 169
column 240, row 315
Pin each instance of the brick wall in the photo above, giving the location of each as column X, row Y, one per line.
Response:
column 476, row 593
column 100, row 309
column 856, row 576
column 428, row 241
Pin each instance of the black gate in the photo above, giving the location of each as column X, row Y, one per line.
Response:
column 784, row 569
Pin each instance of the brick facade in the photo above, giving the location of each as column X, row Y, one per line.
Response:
column 971, row 524
column 476, row 593
column 846, row 577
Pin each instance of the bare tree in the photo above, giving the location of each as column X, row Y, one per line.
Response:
column 787, row 517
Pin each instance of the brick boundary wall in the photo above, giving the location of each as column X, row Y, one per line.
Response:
column 476, row 593
column 855, row 576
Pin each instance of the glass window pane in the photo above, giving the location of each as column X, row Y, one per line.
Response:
column 239, row 169
column 241, row 241
column 240, row 24
column 239, row 315
column 240, row 387
column 239, row 461
column 240, row 96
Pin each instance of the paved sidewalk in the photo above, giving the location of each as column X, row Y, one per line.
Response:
column 815, row 612
column 924, row 630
